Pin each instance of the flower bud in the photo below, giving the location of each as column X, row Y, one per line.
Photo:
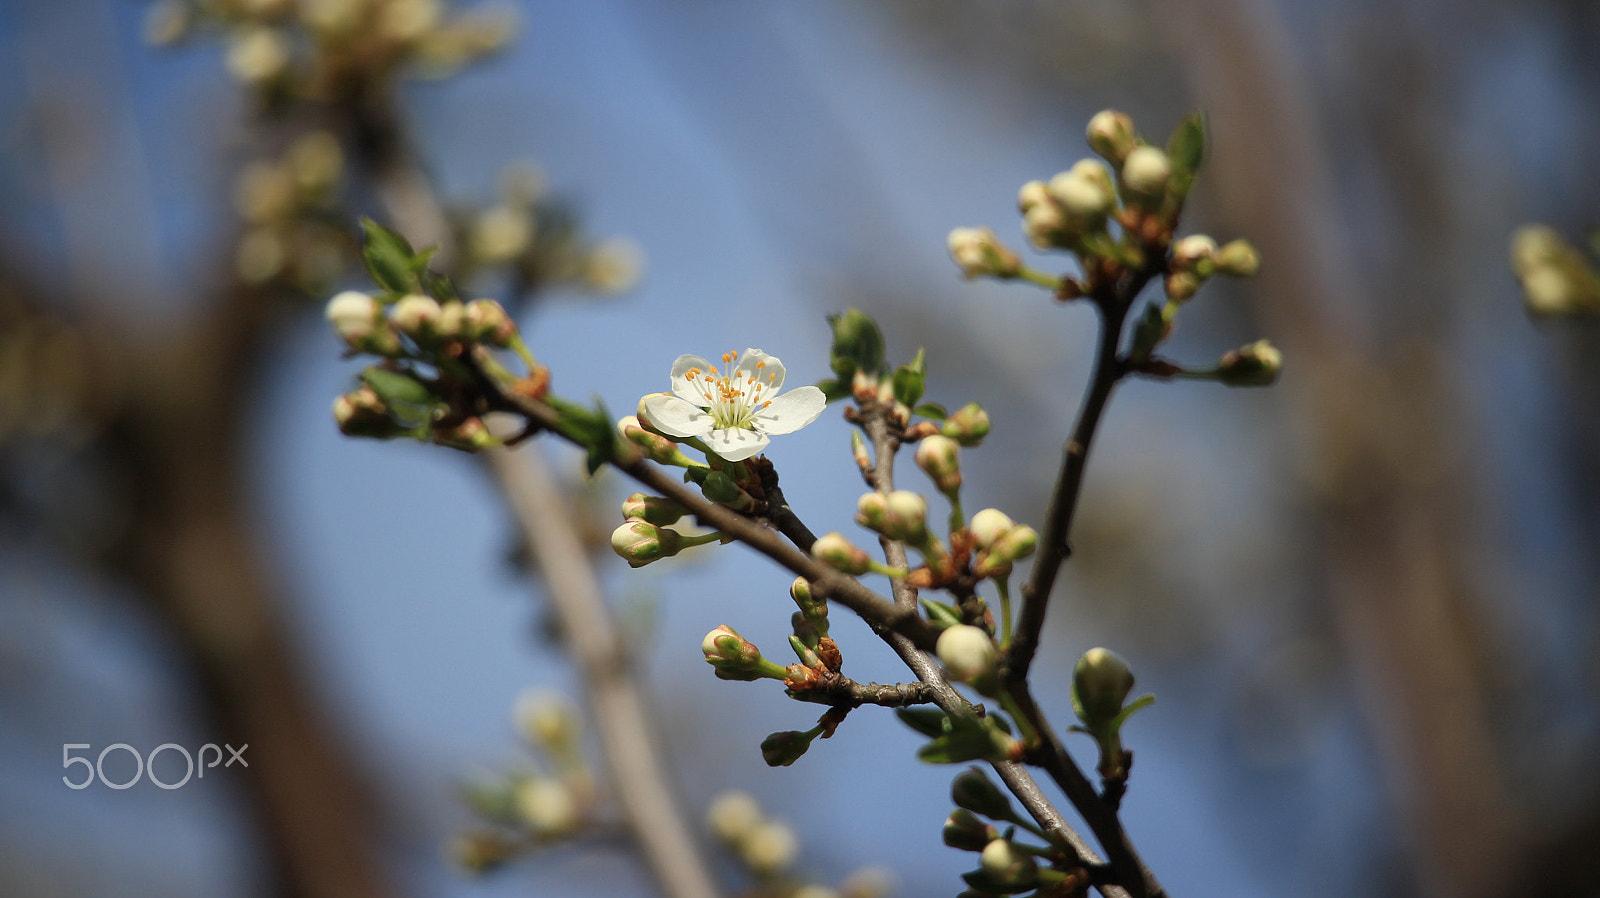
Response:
column 452, row 320
column 546, row 805
column 544, row 720
column 940, row 457
column 361, row 413
column 1008, row 866
column 500, row 234
column 1033, row 193
column 1101, row 682
column 963, row 830
column 838, row 553
column 1085, row 200
column 1194, row 253
column 1238, row 258
column 972, row 790
column 736, row 658
column 1110, row 134
column 1014, row 545
column 657, row 510
column 978, row 251
column 968, row 425
column 907, row 517
column 417, row 317
column 969, row 655
column 784, row 748
column 1181, row 285
column 257, row 54
column 655, row 447
column 1253, row 365
column 1045, row 224
column 769, row 848
column 486, row 321
column 1145, row 172
column 988, row 526
column 872, row 511
column 733, row 814
column 354, row 316
column 640, row 543
column 800, row 591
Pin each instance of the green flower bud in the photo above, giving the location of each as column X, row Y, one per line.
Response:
column 1110, row 134
column 1009, row 866
column 1181, row 285
column 784, row 748
column 969, row 656
column 1014, row 545
column 655, row 447
column 838, row 553
column 1145, row 173
column 940, row 457
column 979, row 252
column 989, row 525
column 968, row 425
column 965, row 831
column 1101, row 682
column 1238, row 258
column 1254, row 365
column 546, row 721
column 640, row 543
column 656, row 510
column 972, row 790
column 800, row 591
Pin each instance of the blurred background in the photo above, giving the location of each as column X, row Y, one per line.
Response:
column 1365, row 597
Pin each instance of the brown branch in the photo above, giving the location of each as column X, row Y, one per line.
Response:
column 841, row 690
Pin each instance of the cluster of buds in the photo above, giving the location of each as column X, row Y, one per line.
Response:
column 1556, row 278
column 899, row 515
column 1005, row 865
column 768, row 847
column 284, row 203
column 1000, row 542
column 1197, row 257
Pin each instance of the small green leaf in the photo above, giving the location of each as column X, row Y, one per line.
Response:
column 930, row 722
column 785, row 748
column 909, row 380
column 397, row 387
column 1186, row 149
column 968, row 739
column 982, row 882
column 833, row 389
column 388, row 256
column 437, row 285
column 931, row 410
column 941, row 614
column 857, row 344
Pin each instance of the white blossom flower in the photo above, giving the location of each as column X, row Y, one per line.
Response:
column 735, row 411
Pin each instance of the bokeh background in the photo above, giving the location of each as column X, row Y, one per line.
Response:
column 1365, row 597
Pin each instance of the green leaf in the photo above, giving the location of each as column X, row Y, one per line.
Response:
column 932, row 410
column 909, row 380
column 388, row 256
column 930, row 722
column 968, row 739
column 981, row 881
column 437, row 285
column 833, row 389
column 398, row 387
column 1186, row 149
column 857, row 344
column 941, row 614
column 1152, row 328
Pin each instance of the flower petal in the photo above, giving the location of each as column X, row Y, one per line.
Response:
column 680, row 377
column 791, row 411
column 674, row 416
column 736, row 443
column 766, row 369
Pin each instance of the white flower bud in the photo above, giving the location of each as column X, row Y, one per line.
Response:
column 354, row 315
column 840, row 554
column 1008, row 866
column 258, row 55
column 907, row 515
column 486, row 321
column 1188, row 252
column 969, row 655
column 1085, row 200
column 1033, row 193
column 978, row 252
column 989, row 525
column 1145, row 172
column 872, row 511
column 940, row 457
column 1110, row 134
column 1101, row 682
column 1238, row 258
column 769, row 848
column 733, row 814
column 501, row 233
column 640, row 543
column 546, row 805
column 417, row 317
